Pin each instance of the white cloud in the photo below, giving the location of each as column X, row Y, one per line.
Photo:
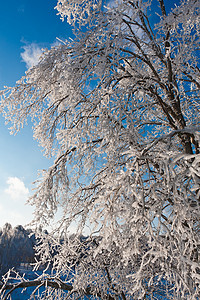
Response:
column 31, row 54
column 16, row 189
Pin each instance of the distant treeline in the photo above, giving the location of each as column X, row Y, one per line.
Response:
column 16, row 246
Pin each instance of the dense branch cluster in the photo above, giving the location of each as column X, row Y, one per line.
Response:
column 119, row 109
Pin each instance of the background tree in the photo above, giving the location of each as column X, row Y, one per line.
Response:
column 119, row 108
column 15, row 247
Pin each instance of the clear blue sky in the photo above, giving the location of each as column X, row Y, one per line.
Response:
column 26, row 26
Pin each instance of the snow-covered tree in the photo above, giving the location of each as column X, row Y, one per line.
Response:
column 119, row 109
column 15, row 247
column 5, row 237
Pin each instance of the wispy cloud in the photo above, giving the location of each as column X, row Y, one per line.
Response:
column 16, row 189
column 31, row 54
column 21, row 8
column 16, row 216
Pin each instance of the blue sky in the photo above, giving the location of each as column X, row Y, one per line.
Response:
column 26, row 26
